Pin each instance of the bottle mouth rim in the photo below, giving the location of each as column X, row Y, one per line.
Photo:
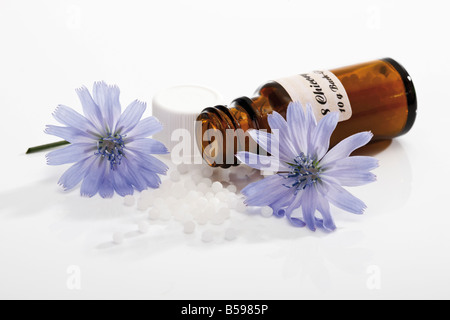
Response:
column 205, row 130
column 410, row 92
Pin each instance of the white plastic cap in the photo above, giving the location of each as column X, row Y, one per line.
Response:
column 178, row 107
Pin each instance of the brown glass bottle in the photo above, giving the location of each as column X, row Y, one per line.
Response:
column 381, row 95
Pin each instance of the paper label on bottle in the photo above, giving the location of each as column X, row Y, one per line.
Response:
column 321, row 89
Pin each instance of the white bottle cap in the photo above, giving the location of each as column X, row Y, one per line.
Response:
column 177, row 108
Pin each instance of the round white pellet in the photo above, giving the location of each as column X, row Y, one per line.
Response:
column 153, row 214
column 217, row 219
column 210, row 208
column 143, row 226
column 207, row 181
column 202, row 218
column 146, row 194
column 241, row 207
column 208, row 236
column 189, row 227
column 209, row 195
column 207, row 172
column 197, row 178
column 189, row 184
column 216, row 187
column 175, row 176
column 172, row 204
column 224, row 174
column 166, row 186
column 224, row 212
column 201, row 202
column 230, row 234
column 178, row 191
column 129, row 201
column 158, row 202
column 165, row 214
column 232, row 188
column 118, row 238
column 192, row 194
column 222, row 196
column 183, row 168
column 142, row 205
column 202, row 187
column 266, row 211
column 214, row 202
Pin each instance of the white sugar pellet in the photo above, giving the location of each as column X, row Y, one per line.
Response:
column 192, row 194
column 209, row 195
column 232, row 188
column 214, row 202
column 202, row 218
column 197, row 178
column 216, row 187
column 165, row 214
column 185, row 217
column 129, row 201
column 202, row 187
column 209, row 208
column 201, row 202
column 179, row 191
column 232, row 203
column 189, row 227
column 241, row 207
column 175, row 176
column 207, row 171
column 183, row 168
column 158, row 202
column 143, row 226
column 118, row 238
column 230, row 234
column 166, row 186
column 146, row 194
column 207, row 181
column 207, row 236
column 266, row 211
column 217, row 218
column 223, row 174
column 221, row 196
column 142, row 205
column 153, row 214
column 224, row 212
column 189, row 184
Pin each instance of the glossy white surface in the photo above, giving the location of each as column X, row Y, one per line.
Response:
column 53, row 243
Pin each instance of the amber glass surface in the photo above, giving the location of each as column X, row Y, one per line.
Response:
column 381, row 98
column 377, row 96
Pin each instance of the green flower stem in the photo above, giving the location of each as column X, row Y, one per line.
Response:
column 46, row 147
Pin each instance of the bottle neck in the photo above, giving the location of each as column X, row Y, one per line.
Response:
column 221, row 132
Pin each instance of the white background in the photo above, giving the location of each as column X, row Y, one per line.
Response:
column 398, row 249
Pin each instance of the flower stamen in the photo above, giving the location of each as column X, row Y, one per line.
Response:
column 112, row 149
column 304, row 171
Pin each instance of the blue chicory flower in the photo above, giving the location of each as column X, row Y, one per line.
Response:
column 110, row 149
column 309, row 176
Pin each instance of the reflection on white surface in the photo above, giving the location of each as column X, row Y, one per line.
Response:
column 389, row 193
column 394, row 181
column 318, row 261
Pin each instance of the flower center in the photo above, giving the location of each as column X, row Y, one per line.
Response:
column 304, row 172
column 111, row 148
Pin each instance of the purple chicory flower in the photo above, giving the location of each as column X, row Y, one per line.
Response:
column 309, row 176
column 111, row 150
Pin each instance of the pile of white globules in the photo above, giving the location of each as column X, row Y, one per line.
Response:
column 196, row 196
